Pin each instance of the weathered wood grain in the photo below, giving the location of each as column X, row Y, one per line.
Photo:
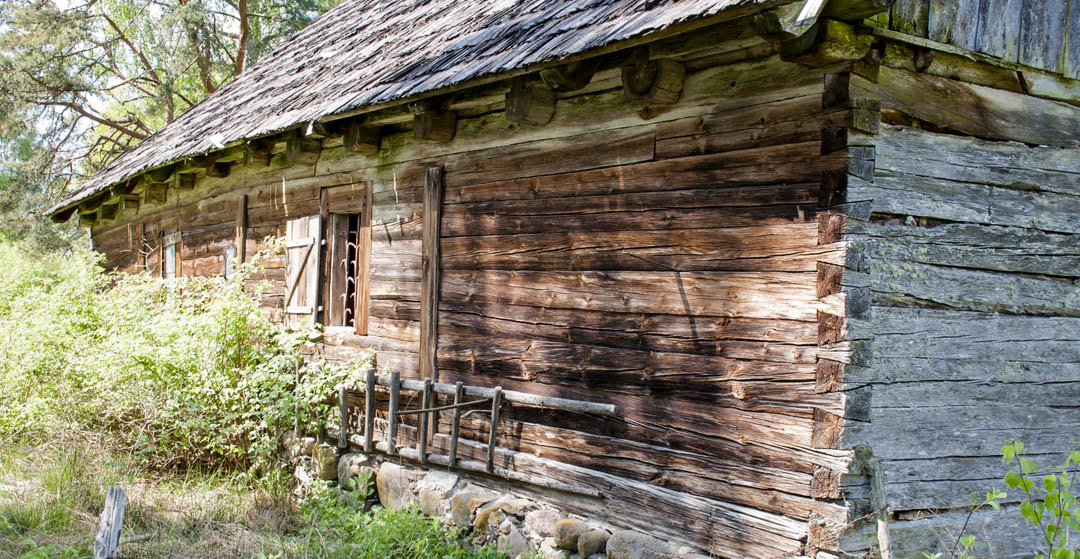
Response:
column 1071, row 58
column 965, row 159
column 643, row 330
column 911, row 17
column 430, row 272
column 527, row 216
column 972, row 246
column 771, row 488
column 954, row 22
column 791, row 248
column 931, row 333
column 967, row 202
column 756, row 295
column 911, row 283
column 974, row 109
column 1042, row 36
column 938, row 533
column 999, row 28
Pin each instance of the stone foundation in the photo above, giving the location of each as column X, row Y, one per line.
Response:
column 516, row 524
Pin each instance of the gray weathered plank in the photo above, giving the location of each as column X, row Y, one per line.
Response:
column 954, row 22
column 938, row 532
column 1003, row 249
column 973, row 109
column 999, row 28
column 912, row 283
column 911, row 17
column 1042, row 36
column 934, row 333
column 1071, row 59
column 961, row 158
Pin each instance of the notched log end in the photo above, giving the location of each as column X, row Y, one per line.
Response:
column 655, row 81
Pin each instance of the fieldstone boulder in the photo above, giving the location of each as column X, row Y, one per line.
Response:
column 549, row 551
column 567, row 532
column 434, row 492
column 492, row 509
column 543, row 521
column 324, row 461
column 464, row 502
column 513, row 543
column 392, row 483
column 351, row 468
column 628, row 544
column 592, row 542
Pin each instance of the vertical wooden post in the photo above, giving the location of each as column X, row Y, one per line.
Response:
column 395, row 395
column 363, row 264
column 318, row 313
column 459, row 395
column 140, row 256
column 343, row 419
column 496, row 403
column 425, row 420
column 241, row 229
column 429, row 288
column 369, row 411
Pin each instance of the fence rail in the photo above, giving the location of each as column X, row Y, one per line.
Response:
column 428, row 389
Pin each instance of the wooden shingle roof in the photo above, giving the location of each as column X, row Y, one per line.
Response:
column 367, row 53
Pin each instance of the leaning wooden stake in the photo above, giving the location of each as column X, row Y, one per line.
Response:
column 459, row 395
column 391, row 431
column 369, row 412
column 343, row 419
column 496, row 402
column 107, row 539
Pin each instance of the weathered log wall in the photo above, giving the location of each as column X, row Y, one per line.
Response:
column 972, row 259
column 664, row 259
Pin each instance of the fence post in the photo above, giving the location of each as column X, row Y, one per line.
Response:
column 395, row 395
column 107, row 539
column 496, row 402
column 343, row 419
column 459, row 395
column 369, row 412
column 425, row 420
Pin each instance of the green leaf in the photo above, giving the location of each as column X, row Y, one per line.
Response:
column 1050, row 482
column 1028, row 466
column 1013, row 479
column 1028, row 510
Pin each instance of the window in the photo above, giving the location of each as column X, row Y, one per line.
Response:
column 346, row 286
column 327, row 263
column 301, row 270
column 230, row 262
column 168, row 257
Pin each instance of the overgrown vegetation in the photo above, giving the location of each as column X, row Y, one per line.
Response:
column 1049, row 505
column 178, row 391
column 185, row 373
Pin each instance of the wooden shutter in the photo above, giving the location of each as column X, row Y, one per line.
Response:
column 301, row 267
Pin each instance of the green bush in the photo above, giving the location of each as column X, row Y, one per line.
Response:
column 1048, row 505
column 181, row 373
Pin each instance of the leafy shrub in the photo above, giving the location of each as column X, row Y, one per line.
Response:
column 1049, row 506
column 187, row 372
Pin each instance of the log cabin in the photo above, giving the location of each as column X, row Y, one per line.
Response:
column 821, row 257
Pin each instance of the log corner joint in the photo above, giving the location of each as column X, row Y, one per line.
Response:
column 654, row 81
column 433, row 120
column 530, row 102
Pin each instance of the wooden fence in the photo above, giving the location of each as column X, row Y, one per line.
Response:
column 492, row 397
